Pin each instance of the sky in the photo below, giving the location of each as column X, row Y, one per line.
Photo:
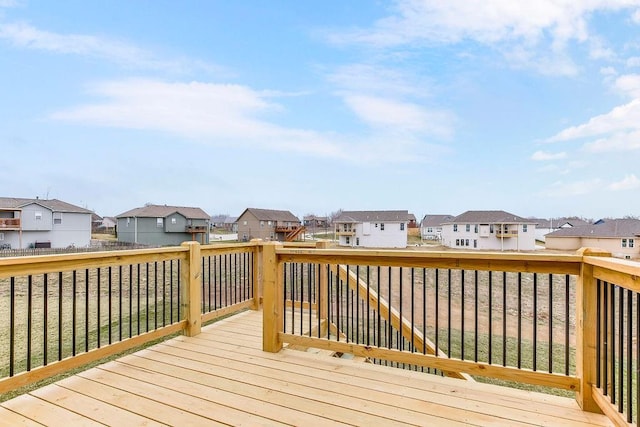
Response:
column 436, row 107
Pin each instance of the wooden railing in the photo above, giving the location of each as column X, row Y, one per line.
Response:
column 9, row 223
column 524, row 318
column 58, row 312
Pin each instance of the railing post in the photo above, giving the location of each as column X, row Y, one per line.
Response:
column 586, row 321
column 272, row 304
column 322, row 286
column 257, row 273
column 191, row 292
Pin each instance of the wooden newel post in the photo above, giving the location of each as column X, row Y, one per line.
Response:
column 272, row 304
column 257, row 273
column 191, row 294
column 586, row 321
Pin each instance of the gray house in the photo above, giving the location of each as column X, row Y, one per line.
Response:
column 26, row 223
column 162, row 225
column 268, row 224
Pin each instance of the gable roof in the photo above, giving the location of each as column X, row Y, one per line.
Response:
column 54, row 205
column 271, row 215
column 368, row 216
column 163, row 211
column 489, row 217
column 613, row 228
column 435, row 220
column 559, row 222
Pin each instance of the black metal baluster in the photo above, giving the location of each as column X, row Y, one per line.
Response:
column 378, row 309
column 98, row 322
column 170, row 291
column 621, row 349
column 119, row 303
column 462, row 291
column 550, row 323
column 155, row 295
column 60, row 299
column 598, row 333
column 12, row 325
column 566, row 324
column 535, row 321
column 605, row 336
column 490, row 340
column 424, row 312
column 612, row 346
column 400, row 341
column 437, row 310
column 179, row 275
column 504, row 318
column 86, row 310
column 475, row 316
column 449, row 313
column 138, row 298
column 629, row 356
column 130, row 300
column 29, row 314
column 413, row 306
column 45, row 317
column 110, row 326
column 390, row 327
column 519, row 320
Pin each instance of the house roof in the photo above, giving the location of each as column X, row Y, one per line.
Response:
column 54, row 205
column 614, row 228
column 367, row 216
column 412, row 217
column 435, row 220
column 314, row 217
column 271, row 215
column 489, row 217
column 559, row 222
column 163, row 211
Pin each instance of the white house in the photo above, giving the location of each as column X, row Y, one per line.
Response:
column 372, row 229
column 546, row 226
column 37, row 222
column 489, row 230
column 431, row 226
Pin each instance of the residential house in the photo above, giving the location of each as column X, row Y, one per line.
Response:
column 108, row 225
column 268, row 224
column 31, row 223
column 316, row 224
column 162, row 225
column 372, row 229
column 621, row 237
column 546, row 226
column 431, row 226
column 412, row 222
column 491, row 230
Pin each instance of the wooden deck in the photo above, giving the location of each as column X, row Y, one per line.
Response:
column 221, row 377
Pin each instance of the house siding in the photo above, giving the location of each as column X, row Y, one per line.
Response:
column 146, row 232
column 370, row 235
column 484, row 239
column 610, row 244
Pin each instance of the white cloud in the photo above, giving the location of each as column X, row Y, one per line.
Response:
column 622, row 141
column 634, row 61
column 26, row 36
column 221, row 114
column 8, row 3
column 543, row 156
column 608, row 71
column 399, row 116
column 575, row 188
column 628, row 85
column 370, row 78
column 630, row 182
column 623, row 117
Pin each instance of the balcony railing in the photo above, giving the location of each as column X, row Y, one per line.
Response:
column 196, row 228
column 507, row 233
column 9, row 223
column 567, row 322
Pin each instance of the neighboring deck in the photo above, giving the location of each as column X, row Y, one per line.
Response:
column 223, row 377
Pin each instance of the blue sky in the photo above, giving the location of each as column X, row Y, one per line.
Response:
column 436, row 107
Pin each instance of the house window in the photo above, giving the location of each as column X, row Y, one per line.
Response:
column 382, row 227
column 244, row 222
column 174, row 221
column 429, row 230
column 631, row 243
column 128, row 221
column 466, row 242
column 261, row 224
column 376, row 225
column 346, row 239
column 491, row 228
column 457, row 242
column 1, row 236
column 357, row 241
column 268, row 222
column 468, row 229
column 475, row 243
column 524, row 228
column 159, row 222
column 475, row 228
column 455, row 228
column 402, row 226
column 57, row 217
column 38, row 215
column 624, row 243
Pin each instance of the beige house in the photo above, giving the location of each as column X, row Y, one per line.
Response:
column 268, row 224
column 621, row 237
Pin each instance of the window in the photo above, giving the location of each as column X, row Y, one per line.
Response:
column 376, row 225
column 357, row 241
column 624, row 243
column 475, row 243
column 268, row 222
column 475, row 228
column 57, row 217
column 1, row 236
column 457, row 242
column 346, row 239
column 159, row 222
column 455, row 228
column 429, row 230
column 524, row 228
column 174, row 221
column 128, row 221
column 491, row 228
column 38, row 215
column 631, row 243
column 402, row 226
column 382, row 227
column 244, row 222
column 468, row 228
column 466, row 242
column 261, row 224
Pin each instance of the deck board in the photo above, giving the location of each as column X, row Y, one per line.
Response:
column 222, row 377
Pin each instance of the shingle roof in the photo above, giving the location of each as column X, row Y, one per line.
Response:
column 54, row 204
column 489, row 217
column 272, row 215
column 558, row 222
column 163, row 211
column 435, row 220
column 608, row 228
column 367, row 216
